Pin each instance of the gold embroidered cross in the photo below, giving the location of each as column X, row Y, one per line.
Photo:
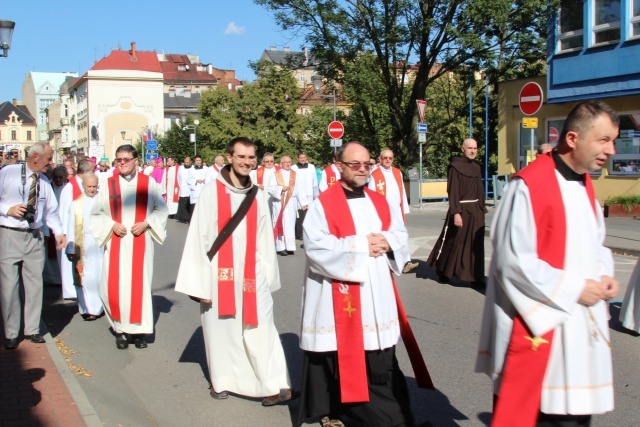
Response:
column 380, row 186
column 536, row 342
column 349, row 309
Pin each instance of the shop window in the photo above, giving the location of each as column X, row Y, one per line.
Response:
column 525, row 145
column 627, row 158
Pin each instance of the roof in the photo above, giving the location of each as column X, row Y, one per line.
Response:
column 196, row 73
column 55, row 79
column 124, row 60
column 6, row 108
column 181, row 102
column 289, row 58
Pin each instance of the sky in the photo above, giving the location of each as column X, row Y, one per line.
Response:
column 54, row 36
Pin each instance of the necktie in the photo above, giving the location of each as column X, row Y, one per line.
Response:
column 32, row 190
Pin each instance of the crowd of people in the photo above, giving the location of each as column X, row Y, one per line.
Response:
column 544, row 338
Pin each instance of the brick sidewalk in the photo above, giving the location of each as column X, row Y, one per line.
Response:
column 32, row 392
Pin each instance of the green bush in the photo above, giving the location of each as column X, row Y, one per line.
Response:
column 627, row 202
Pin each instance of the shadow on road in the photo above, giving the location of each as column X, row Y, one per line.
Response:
column 195, row 352
column 429, row 273
column 160, row 305
column 431, row 407
column 614, row 322
column 57, row 313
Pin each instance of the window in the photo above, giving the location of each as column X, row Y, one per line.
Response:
column 635, row 18
column 570, row 26
column 28, row 135
column 554, row 128
column 627, row 158
column 606, row 25
column 14, row 135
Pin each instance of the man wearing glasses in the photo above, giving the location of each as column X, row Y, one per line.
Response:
column 350, row 315
column 127, row 215
column 260, row 176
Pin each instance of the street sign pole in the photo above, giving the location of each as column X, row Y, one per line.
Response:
column 420, row 179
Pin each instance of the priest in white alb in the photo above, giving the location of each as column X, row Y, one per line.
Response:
column 128, row 215
column 172, row 185
column 84, row 253
column 545, row 332
column 234, row 281
column 352, row 316
column 286, row 199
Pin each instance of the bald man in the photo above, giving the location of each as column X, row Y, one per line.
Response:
column 459, row 251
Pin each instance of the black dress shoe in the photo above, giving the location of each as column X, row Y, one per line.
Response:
column 139, row 341
column 121, row 341
column 443, row 279
column 11, row 343
column 36, row 338
column 283, row 253
column 290, row 252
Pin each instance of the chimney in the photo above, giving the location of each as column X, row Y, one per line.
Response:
column 15, row 101
column 132, row 52
column 306, row 57
column 286, row 48
column 209, row 69
column 273, row 48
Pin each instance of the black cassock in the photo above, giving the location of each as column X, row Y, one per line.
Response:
column 459, row 251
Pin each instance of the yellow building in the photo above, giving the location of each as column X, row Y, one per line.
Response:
column 620, row 176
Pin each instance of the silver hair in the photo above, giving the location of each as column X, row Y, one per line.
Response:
column 37, row 148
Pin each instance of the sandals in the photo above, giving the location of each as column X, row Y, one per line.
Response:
column 328, row 422
column 218, row 396
column 284, row 396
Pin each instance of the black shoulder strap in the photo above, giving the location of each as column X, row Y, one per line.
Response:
column 230, row 227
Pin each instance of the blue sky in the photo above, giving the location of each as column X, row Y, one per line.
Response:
column 71, row 35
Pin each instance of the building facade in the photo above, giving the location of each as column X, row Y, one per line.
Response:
column 17, row 128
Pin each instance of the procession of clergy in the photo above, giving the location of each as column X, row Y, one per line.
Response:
column 351, row 219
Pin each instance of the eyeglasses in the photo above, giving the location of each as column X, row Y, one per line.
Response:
column 356, row 166
column 387, row 158
column 267, row 161
column 124, row 160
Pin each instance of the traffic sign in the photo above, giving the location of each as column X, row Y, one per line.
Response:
column 530, row 122
column 422, row 128
column 422, row 106
column 336, row 129
column 336, row 142
column 152, row 144
column 151, row 156
column 530, row 99
column 554, row 135
column 104, row 159
column 629, row 133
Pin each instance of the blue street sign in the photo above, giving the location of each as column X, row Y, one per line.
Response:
column 152, row 144
column 422, row 128
column 630, row 133
column 151, row 156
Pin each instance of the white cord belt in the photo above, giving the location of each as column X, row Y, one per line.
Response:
column 468, row 201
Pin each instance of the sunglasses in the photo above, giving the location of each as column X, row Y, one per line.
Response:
column 356, row 166
column 124, row 160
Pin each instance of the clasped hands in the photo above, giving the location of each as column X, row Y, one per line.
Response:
column 606, row 289
column 137, row 229
column 378, row 244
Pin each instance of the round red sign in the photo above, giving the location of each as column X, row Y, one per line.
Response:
column 530, row 98
column 553, row 135
column 336, row 130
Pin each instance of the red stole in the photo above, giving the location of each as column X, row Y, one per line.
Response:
column 216, row 167
column 176, row 184
column 346, row 305
column 331, row 175
column 139, row 242
column 226, row 276
column 525, row 364
column 278, row 229
column 381, row 183
column 76, row 191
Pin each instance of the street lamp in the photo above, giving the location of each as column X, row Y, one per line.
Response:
column 192, row 136
column 316, row 79
column 6, row 32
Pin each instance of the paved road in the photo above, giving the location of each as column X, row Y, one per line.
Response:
column 166, row 384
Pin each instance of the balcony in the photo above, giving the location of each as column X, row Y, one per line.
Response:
column 64, row 121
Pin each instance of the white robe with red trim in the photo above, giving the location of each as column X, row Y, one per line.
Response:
column 66, row 272
column 288, row 241
column 101, row 227
column 578, row 379
column 329, row 257
column 169, row 185
column 244, row 360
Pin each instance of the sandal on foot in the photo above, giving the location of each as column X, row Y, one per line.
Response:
column 219, row 396
column 328, row 422
column 284, row 396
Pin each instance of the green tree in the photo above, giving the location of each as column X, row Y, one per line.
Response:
column 438, row 36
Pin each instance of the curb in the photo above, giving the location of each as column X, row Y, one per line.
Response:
column 85, row 408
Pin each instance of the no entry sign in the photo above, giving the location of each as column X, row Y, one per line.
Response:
column 553, row 135
column 530, row 98
column 336, row 130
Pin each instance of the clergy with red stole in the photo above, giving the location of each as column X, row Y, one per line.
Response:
column 171, row 185
column 128, row 215
column 352, row 316
column 330, row 175
column 545, row 331
column 285, row 201
column 234, row 284
column 387, row 181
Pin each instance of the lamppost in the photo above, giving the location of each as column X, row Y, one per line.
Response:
column 6, row 32
column 192, row 136
column 316, row 79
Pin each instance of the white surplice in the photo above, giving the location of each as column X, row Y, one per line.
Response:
column 193, row 175
column 578, row 379
column 630, row 311
column 288, row 241
column 348, row 259
column 66, row 272
column 89, row 301
column 244, row 360
column 169, row 180
column 101, row 225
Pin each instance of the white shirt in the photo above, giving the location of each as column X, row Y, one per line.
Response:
column 308, row 180
column 13, row 192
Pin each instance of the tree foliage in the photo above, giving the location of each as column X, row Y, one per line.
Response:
column 437, row 36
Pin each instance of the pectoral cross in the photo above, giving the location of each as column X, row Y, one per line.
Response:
column 380, row 186
column 536, row 342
